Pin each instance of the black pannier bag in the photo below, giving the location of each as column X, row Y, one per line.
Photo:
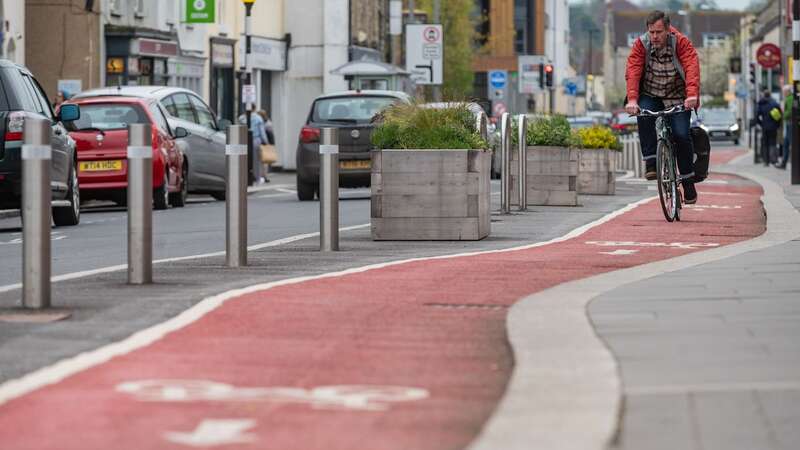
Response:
column 702, row 153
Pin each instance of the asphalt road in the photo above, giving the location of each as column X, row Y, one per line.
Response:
column 100, row 240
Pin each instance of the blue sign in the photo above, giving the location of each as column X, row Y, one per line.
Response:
column 571, row 88
column 498, row 78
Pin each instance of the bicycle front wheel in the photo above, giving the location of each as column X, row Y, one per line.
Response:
column 667, row 180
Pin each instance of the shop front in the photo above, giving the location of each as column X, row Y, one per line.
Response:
column 222, row 78
column 267, row 57
column 133, row 61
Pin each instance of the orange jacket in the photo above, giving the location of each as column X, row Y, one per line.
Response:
column 686, row 61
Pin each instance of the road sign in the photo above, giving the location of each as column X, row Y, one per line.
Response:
column 530, row 77
column 425, row 53
column 768, row 55
column 498, row 109
column 200, row 11
column 570, row 88
column 249, row 93
column 498, row 78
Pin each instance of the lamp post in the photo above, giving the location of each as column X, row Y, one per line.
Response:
column 248, row 79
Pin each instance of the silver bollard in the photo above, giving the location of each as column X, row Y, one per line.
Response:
column 329, row 190
column 36, row 213
column 236, row 196
column 140, row 203
column 482, row 125
column 522, row 147
column 505, row 170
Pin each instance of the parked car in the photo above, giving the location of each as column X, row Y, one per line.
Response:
column 101, row 136
column 203, row 147
column 624, row 123
column 720, row 124
column 352, row 113
column 22, row 97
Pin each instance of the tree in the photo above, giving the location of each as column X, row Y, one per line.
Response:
column 460, row 34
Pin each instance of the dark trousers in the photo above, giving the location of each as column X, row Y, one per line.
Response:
column 681, row 136
column 768, row 138
column 787, row 143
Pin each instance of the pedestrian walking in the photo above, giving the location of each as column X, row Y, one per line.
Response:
column 259, row 137
column 269, row 154
column 769, row 116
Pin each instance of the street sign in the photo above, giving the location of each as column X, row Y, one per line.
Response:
column 200, row 11
column 768, row 55
column 498, row 109
column 530, row 76
column 570, row 88
column 249, row 93
column 497, row 82
column 425, row 53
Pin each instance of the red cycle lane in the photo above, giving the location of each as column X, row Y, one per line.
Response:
column 407, row 356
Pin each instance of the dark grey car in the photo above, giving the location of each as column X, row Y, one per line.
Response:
column 351, row 112
column 204, row 148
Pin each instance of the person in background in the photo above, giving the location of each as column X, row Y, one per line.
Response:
column 787, row 125
column 270, row 135
column 60, row 97
column 769, row 125
column 259, row 137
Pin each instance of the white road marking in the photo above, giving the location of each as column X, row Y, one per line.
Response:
column 54, row 236
column 286, row 194
column 355, row 397
column 706, row 207
column 87, row 273
column 676, row 245
column 622, row 252
column 214, row 432
column 60, row 370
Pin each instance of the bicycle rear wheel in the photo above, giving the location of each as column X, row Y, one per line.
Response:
column 667, row 180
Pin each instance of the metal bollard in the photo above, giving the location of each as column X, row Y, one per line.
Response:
column 505, row 170
column 236, row 196
column 140, row 203
column 482, row 125
column 522, row 185
column 329, row 190
column 36, row 212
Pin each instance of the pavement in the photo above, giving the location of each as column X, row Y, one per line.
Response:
column 406, row 345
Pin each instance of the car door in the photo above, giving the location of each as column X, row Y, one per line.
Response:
column 59, row 140
column 198, row 148
column 215, row 140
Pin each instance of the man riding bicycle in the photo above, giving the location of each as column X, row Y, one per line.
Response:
column 663, row 71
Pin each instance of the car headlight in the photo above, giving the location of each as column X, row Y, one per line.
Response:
column 734, row 127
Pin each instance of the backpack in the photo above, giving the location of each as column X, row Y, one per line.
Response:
column 775, row 113
column 702, row 153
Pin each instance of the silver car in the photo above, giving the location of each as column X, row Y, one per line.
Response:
column 720, row 124
column 204, row 147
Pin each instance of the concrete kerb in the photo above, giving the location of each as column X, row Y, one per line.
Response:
column 565, row 391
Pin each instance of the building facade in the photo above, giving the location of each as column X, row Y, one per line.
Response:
column 12, row 30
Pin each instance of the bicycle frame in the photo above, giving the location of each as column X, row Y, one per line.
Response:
column 667, row 165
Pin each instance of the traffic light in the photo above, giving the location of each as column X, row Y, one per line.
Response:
column 752, row 73
column 548, row 75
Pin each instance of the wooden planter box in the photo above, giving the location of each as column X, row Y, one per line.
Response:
column 426, row 195
column 552, row 176
column 596, row 171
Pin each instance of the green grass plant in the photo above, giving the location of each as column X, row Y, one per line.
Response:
column 413, row 127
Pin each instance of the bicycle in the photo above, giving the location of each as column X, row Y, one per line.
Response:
column 667, row 163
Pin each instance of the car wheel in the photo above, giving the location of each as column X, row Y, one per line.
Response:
column 70, row 215
column 305, row 191
column 178, row 199
column 161, row 194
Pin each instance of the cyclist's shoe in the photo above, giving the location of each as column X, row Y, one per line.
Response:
column 689, row 192
column 650, row 170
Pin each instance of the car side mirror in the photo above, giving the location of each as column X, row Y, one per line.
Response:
column 69, row 112
column 223, row 124
column 181, row 132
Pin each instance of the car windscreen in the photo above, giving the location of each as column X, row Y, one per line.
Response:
column 107, row 116
column 357, row 110
column 722, row 116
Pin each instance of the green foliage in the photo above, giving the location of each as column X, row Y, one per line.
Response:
column 414, row 127
column 549, row 131
column 460, row 33
column 596, row 137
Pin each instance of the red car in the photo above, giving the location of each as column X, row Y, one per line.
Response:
column 101, row 141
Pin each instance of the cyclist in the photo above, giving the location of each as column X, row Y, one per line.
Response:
column 663, row 71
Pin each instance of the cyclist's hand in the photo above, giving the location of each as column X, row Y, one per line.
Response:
column 632, row 108
column 690, row 103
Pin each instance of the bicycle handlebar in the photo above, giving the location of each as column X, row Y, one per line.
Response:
column 677, row 109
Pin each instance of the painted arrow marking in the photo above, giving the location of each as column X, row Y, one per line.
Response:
column 621, row 252
column 213, row 432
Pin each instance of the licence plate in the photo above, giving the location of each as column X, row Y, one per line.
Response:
column 356, row 164
column 99, row 166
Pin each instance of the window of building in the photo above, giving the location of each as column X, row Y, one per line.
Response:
column 114, row 7
column 714, row 39
column 139, row 11
column 632, row 38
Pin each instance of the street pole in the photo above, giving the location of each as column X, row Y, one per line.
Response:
column 437, row 90
column 248, row 79
column 796, row 101
column 36, row 215
column 236, row 196
column 140, row 203
column 396, row 30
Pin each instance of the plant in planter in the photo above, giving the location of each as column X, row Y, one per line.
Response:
column 430, row 175
column 597, row 156
column 552, row 164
